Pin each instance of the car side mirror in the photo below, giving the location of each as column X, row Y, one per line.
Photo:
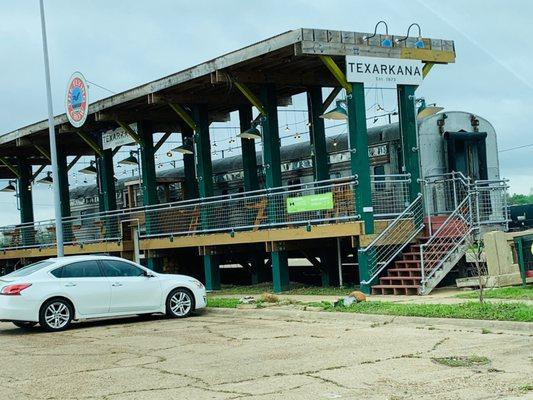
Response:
column 149, row 274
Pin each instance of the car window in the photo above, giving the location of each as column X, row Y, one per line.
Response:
column 116, row 268
column 29, row 269
column 80, row 269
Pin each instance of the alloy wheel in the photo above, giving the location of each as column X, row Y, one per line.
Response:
column 57, row 315
column 180, row 303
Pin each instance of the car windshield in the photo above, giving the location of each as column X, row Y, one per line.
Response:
column 29, row 269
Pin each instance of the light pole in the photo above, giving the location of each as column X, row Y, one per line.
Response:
column 51, row 132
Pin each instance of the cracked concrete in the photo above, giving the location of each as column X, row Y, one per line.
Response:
column 260, row 354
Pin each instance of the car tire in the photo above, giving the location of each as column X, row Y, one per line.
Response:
column 24, row 324
column 180, row 303
column 56, row 315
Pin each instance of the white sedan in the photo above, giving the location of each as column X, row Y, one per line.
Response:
column 56, row 291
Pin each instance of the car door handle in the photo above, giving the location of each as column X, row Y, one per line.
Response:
column 70, row 284
column 116, row 284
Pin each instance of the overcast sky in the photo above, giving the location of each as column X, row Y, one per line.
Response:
column 120, row 44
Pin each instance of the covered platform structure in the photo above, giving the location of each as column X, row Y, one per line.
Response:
column 240, row 227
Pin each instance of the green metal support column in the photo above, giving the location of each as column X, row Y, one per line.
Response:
column 204, row 170
column 408, row 129
column 191, row 185
column 272, row 157
column 106, row 178
column 64, row 192
column 318, row 133
column 329, row 271
column 25, row 199
column 360, row 164
column 251, row 182
column 149, row 182
column 249, row 158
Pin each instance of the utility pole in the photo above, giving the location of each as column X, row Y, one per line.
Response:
column 51, row 132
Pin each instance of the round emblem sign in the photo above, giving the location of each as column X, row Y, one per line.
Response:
column 77, row 101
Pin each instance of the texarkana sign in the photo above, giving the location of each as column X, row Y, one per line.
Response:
column 77, row 100
column 313, row 202
column 117, row 137
column 383, row 71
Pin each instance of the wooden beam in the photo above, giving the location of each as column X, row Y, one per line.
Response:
column 92, row 144
column 161, row 141
column 129, row 131
column 73, row 162
column 334, row 93
column 337, row 73
column 426, row 68
column 10, row 166
column 36, row 173
column 43, row 151
column 184, row 115
column 252, row 98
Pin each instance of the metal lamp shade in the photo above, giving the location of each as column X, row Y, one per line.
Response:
column 251, row 133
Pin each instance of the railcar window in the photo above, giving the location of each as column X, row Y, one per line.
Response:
column 379, row 170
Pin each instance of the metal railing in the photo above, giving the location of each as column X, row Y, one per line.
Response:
column 452, row 233
column 491, row 203
column 443, row 193
column 251, row 210
column 390, row 194
column 393, row 239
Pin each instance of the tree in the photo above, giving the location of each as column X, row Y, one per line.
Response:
column 517, row 199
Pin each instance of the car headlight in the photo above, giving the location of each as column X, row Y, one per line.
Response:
column 197, row 283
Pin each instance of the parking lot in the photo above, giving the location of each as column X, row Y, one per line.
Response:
column 266, row 354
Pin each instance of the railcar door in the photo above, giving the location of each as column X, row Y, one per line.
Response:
column 467, row 153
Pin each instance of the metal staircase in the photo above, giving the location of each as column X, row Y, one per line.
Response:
column 455, row 209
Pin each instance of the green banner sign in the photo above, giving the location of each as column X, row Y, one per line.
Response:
column 313, row 202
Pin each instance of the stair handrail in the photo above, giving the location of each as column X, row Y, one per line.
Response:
column 454, row 214
column 417, row 202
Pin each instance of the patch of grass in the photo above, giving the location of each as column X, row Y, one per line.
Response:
column 484, row 331
column 462, row 361
column 526, row 388
column 520, row 312
column 470, row 310
column 514, row 292
column 222, row 302
column 295, row 288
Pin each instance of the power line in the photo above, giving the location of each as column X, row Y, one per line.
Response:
column 516, row 148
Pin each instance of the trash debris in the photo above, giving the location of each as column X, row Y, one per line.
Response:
column 269, row 298
column 247, row 300
column 359, row 296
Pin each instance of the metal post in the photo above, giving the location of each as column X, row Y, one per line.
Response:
column 360, row 165
column 251, row 182
column 25, row 200
column 318, row 133
column 408, row 129
column 249, row 158
column 52, row 136
column 272, row 166
column 339, row 261
column 148, row 183
column 191, row 185
column 106, row 178
column 204, row 170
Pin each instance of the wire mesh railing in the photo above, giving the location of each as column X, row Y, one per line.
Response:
column 319, row 202
column 451, row 234
column 443, row 193
column 393, row 239
column 491, row 203
column 390, row 194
